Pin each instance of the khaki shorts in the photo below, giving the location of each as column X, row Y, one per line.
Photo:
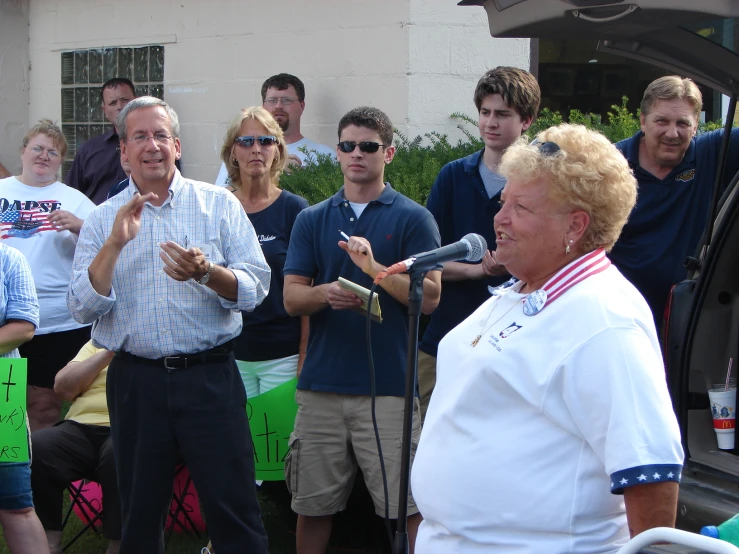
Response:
column 333, row 436
column 426, row 380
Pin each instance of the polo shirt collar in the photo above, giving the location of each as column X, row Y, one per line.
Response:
column 387, row 197
column 471, row 163
column 111, row 135
column 632, row 153
column 175, row 188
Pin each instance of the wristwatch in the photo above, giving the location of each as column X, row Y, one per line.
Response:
column 205, row 278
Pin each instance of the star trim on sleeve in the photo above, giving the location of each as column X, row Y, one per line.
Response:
column 641, row 475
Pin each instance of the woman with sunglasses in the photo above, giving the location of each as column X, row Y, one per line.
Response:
column 551, row 428
column 42, row 218
column 272, row 345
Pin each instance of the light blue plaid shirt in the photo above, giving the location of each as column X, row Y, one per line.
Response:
column 150, row 314
column 18, row 291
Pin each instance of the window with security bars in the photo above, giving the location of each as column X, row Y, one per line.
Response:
column 85, row 71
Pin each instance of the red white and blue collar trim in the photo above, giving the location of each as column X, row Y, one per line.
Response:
column 580, row 269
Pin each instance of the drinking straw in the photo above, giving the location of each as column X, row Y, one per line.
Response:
column 728, row 374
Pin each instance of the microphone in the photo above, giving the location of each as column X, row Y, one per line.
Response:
column 470, row 248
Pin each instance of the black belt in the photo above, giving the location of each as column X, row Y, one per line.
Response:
column 220, row 353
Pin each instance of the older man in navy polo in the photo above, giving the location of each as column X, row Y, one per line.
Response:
column 676, row 170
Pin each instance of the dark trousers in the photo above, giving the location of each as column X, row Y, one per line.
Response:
column 159, row 416
column 67, row 452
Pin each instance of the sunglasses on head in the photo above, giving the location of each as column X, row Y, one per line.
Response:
column 366, row 147
column 247, row 141
column 546, row 148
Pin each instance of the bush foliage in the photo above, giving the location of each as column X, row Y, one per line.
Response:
column 417, row 161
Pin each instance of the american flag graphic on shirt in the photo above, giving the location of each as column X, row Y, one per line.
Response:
column 25, row 224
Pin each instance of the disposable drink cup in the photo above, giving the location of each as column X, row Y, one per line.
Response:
column 723, row 410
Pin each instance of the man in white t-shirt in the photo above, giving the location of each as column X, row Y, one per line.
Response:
column 283, row 96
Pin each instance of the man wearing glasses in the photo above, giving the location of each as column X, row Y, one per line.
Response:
column 164, row 269
column 333, row 429
column 283, row 96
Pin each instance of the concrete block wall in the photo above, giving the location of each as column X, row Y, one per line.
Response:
column 14, row 80
column 450, row 47
column 418, row 60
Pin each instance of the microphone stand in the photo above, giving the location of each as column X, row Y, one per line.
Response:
column 415, row 298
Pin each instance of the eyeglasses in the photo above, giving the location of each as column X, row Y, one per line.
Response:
column 273, row 100
column 38, row 150
column 247, row 141
column 159, row 138
column 547, row 148
column 348, row 146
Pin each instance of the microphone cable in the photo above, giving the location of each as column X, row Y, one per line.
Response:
column 373, row 395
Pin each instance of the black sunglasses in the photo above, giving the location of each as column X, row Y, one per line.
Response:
column 546, row 148
column 247, row 141
column 366, row 147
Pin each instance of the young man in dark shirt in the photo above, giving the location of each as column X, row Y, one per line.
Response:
column 333, row 428
column 464, row 199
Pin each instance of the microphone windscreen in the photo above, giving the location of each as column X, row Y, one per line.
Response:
column 477, row 247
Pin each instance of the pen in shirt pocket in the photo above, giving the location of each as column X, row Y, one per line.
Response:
column 185, row 242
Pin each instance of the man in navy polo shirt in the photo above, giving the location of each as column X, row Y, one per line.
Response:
column 676, row 171
column 333, row 429
column 465, row 198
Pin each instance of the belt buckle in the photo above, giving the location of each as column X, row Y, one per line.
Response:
column 174, row 359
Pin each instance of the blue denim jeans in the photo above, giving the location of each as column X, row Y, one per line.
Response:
column 15, row 486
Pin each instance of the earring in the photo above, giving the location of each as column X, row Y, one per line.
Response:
column 567, row 248
column 235, row 161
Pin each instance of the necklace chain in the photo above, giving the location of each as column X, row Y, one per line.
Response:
column 263, row 202
column 486, row 329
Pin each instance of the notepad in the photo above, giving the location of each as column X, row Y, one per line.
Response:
column 363, row 293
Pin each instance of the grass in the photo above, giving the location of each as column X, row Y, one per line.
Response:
column 356, row 530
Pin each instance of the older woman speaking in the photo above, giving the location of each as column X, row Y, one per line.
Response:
column 551, row 428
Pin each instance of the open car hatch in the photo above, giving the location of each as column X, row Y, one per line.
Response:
column 665, row 33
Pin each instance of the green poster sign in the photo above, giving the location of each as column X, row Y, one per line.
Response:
column 13, row 430
column 271, row 419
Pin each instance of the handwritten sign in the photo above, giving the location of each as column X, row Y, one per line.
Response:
column 13, row 430
column 271, row 419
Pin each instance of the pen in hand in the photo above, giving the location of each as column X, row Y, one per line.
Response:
column 346, row 238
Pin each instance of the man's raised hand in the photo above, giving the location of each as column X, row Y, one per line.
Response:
column 128, row 220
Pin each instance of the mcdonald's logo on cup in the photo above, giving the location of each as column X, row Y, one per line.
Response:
column 723, row 412
column 724, row 423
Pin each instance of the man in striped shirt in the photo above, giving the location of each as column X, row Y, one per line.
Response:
column 165, row 268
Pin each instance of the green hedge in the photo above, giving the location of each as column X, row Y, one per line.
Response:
column 417, row 162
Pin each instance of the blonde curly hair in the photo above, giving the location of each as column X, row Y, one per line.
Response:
column 259, row 114
column 587, row 173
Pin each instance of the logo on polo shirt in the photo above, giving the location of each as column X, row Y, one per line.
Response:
column 494, row 340
column 266, row 238
column 508, row 331
column 686, row 176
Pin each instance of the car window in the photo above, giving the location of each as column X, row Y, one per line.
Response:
column 724, row 32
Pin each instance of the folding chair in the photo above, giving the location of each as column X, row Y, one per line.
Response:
column 89, row 510
column 184, row 510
